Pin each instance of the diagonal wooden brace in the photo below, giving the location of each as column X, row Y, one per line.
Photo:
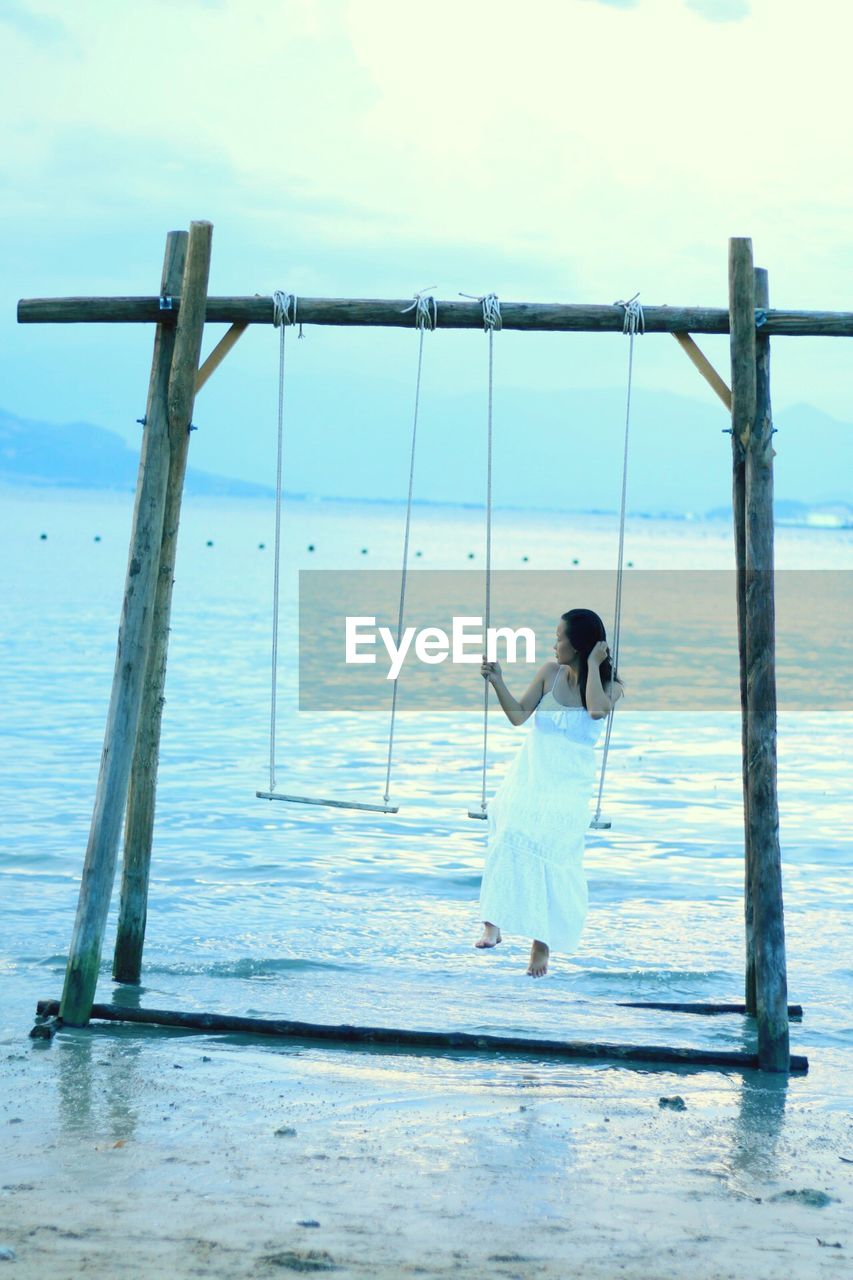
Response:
column 218, row 354
column 707, row 370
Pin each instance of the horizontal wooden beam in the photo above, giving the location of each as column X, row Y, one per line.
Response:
column 708, row 1008
column 398, row 314
column 458, row 1040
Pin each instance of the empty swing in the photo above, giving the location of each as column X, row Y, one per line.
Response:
column 633, row 324
column 284, row 313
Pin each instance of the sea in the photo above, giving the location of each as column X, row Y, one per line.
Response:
column 330, row 915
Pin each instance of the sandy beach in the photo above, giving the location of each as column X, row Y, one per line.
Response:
column 137, row 1152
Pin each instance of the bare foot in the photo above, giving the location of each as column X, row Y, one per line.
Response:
column 539, row 954
column 491, row 936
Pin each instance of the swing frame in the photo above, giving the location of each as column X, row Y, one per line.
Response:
column 179, row 312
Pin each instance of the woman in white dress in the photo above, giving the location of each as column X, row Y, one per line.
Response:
column 533, row 879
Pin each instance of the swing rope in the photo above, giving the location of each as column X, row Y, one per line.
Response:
column 426, row 318
column 284, row 313
column 634, row 323
column 491, row 322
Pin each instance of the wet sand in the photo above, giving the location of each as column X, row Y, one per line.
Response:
column 144, row 1153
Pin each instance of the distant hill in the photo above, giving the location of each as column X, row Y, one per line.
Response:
column 817, row 515
column 554, row 449
column 78, row 455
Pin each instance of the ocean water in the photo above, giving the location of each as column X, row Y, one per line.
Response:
column 334, row 916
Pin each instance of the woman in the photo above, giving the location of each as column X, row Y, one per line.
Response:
column 533, row 880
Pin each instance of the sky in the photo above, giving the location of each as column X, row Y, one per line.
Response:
column 559, row 150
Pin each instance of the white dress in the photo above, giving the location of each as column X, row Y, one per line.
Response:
column 533, row 881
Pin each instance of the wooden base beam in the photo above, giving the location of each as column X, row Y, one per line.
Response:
column 629, row 1054
column 707, row 1008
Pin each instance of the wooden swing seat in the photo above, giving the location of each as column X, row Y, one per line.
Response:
column 335, row 804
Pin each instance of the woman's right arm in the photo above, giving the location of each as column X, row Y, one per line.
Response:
column 516, row 711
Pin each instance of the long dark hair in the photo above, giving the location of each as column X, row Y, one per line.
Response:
column 584, row 629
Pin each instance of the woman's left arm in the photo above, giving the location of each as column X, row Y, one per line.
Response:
column 598, row 704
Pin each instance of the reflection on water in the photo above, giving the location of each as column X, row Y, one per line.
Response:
column 100, row 1082
column 75, row 1082
column 759, row 1125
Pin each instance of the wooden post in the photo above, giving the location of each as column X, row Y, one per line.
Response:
column 139, row 826
column 134, row 634
column 742, row 303
column 771, row 980
column 762, row 300
column 751, row 428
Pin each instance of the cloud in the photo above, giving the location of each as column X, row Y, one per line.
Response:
column 36, row 28
column 550, row 135
column 713, row 10
column 367, row 149
column 720, row 10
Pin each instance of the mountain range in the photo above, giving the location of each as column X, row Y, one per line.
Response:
column 81, row 455
column 78, row 455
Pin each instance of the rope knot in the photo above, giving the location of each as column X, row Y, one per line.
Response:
column 425, row 309
column 491, row 310
column 283, row 308
column 634, row 320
